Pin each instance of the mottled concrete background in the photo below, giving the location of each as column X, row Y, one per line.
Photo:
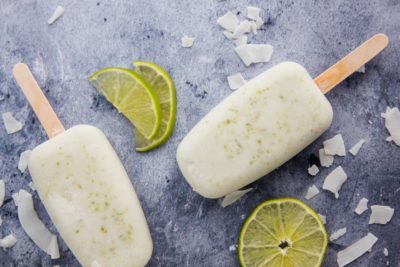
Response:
column 187, row 229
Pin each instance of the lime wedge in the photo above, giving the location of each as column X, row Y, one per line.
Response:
column 132, row 96
column 164, row 89
column 282, row 232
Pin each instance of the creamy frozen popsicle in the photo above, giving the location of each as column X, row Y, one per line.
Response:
column 86, row 190
column 263, row 124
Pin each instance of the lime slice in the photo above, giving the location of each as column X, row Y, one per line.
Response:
column 282, row 232
column 164, row 89
column 132, row 96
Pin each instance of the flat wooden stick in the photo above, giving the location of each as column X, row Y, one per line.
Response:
column 38, row 100
column 352, row 62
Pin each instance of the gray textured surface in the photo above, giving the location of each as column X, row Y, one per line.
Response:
column 188, row 230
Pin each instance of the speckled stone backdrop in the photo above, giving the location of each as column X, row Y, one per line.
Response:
column 187, row 229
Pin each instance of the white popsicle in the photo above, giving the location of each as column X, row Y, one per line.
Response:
column 264, row 123
column 85, row 189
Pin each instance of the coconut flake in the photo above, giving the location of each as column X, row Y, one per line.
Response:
column 1, row 221
column 56, row 15
column 253, row 27
column 8, row 241
column 187, row 41
column 335, row 146
column 244, row 27
column 380, row 214
column 389, row 139
column 324, row 159
column 392, row 123
column 338, row 234
column 313, row 170
column 312, row 192
column 32, row 186
column 11, row 124
column 241, row 40
column 23, row 160
column 334, row 181
column 259, row 22
column 322, row 217
column 53, row 249
column 229, row 21
column 228, row 34
column 236, row 81
column 15, row 197
column 2, row 192
column 253, row 13
column 233, row 197
column 385, row 252
column 356, row 148
column 254, row 53
column 31, row 223
column 356, row 250
column 232, row 248
column 95, row 264
column 361, row 206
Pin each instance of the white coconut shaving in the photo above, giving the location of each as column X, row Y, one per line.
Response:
column 10, row 123
column 385, row 252
column 233, row 197
column 31, row 223
column 356, row 250
column 228, row 34
column 1, row 221
column 380, row 214
column 259, row 22
column 187, row 41
column 312, row 192
column 389, row 139
column 361, row 69
column 229, row 21
column 325, row 159
column 253, row 13
column 242, row 40
column 313, row 170
column 95, row 264
column 2, row 192
column 8, row 241
column 322, row 217
column 242, row 28
column 361, row 206
column 337, row 234
column 232, row 248
column 356, row 148
column 236, row 81
column 32, row 186
column 253, row 27
column 53, row 249
column 15, row 197
column 56, row 15
column 254, row 53
column 335, row 146
column 392, row 123
column 334, row 181
column 23, row 160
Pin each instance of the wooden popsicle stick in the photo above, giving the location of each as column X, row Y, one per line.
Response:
column 351, row 62
column 38, row 100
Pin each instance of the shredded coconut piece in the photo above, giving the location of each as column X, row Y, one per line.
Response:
column 369, row 121
column 236, row 81
column 53, row 249
column 254, row 53
column 241, row 40
column 312, row 192
column 389, row 139
column 2, row 192
column 385, row 252
column 361, row 206
column 15, row 197
column 253, row 27
column 356, row 148
column 187, row 41
column 243, row 216
column 338, row 234
column 324, row 159
column 356, row 250
column 11, row 124
column 313, row 170
column 32, row 186
column 23, row 160
column 253, row 13
column 31, row 223
column 229, row 21
column 244, row 27
column 56, row 15
column 232, row 248
column 8, row 241
column 335, row 146
column 322, row 217
column 361, row 69
column 334, row 181
column 228, row 34
column 392, row 123
column 380, row 214
column 95, row 264
column 1, row 221
column 259, row 22
column 233, row 197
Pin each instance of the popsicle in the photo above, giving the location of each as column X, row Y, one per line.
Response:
column 264, row 124
column 85, row 189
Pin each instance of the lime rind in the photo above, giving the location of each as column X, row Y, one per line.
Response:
column 309, row 210
column 144, row 84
